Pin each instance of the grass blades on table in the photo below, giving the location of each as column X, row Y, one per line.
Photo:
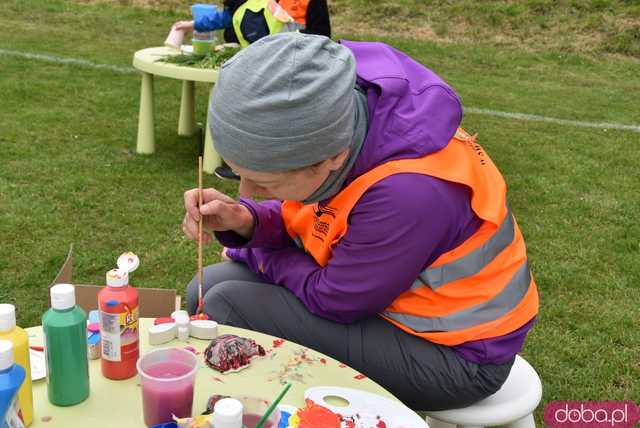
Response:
column 211, row 60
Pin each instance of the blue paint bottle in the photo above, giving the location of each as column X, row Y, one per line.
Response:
column 11, row 377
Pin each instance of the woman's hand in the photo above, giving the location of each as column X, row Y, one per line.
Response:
column 219, row 213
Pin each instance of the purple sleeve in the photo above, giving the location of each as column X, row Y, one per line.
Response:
column 269, row 230
column 393, row 234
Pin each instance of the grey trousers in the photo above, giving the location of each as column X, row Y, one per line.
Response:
column 423, row 375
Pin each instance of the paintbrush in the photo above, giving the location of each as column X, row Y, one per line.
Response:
column 200, row 278
column 273, row 405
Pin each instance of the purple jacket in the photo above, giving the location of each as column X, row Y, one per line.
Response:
column 412, row 112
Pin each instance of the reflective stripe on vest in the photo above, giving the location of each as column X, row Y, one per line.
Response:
column 501, row 304
column 472, row 263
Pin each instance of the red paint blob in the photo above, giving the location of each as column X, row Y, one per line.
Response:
column 314, row 416
column 201, row 316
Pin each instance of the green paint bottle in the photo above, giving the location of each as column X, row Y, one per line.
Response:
column 65, row 333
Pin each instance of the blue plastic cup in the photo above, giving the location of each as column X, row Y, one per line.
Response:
column 199, row 9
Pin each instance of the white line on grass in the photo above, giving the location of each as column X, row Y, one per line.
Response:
column 72, row 61
column 535, row 118
column 472, row 110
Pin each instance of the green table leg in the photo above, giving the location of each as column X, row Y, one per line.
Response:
column 211, row 159
column 187, row 122
column 146, row 139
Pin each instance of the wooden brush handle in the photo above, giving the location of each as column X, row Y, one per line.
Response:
column 200, row 277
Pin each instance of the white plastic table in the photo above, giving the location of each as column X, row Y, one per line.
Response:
column 119, row 403
column 146, row 60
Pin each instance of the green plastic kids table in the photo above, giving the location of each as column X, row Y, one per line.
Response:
column 147, row 61
column 119, row 403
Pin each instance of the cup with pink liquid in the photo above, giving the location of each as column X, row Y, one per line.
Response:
column 253, row 408
column 167, row 379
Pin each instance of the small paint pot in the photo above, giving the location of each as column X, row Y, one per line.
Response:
column 253, row 408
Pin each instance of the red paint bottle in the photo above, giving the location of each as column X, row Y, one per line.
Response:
column 119, row 328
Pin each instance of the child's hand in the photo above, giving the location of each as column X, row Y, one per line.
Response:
column 185, row 26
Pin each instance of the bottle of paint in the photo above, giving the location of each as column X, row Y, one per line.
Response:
column 20, row 340
column 11, row 377
column 118, row 304
column 182, row 322
column 65, row 332
column 227, row 413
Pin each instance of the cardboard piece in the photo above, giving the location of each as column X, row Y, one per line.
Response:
column 174, row 39
column 154, row 302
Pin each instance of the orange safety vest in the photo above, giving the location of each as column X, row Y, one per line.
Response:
column 297, row 9
column 481, row 289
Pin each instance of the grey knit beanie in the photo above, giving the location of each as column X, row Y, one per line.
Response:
column 284, row 102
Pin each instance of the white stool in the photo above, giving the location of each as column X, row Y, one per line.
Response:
column 512, row 405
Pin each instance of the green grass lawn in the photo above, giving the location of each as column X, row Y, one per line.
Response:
column 587, row 26
column 69, row 172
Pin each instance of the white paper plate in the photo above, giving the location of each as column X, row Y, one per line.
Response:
column 38, row 365
column 367, row 406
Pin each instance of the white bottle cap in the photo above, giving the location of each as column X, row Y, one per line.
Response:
column 7, row 317
column 117, row 278
column 179, row 314
column 63, row 296
column 227, row 413
column 128, row 262
column 182, row 320
column 6, row 354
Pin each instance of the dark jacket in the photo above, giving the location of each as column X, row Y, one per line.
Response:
column 317, row 19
